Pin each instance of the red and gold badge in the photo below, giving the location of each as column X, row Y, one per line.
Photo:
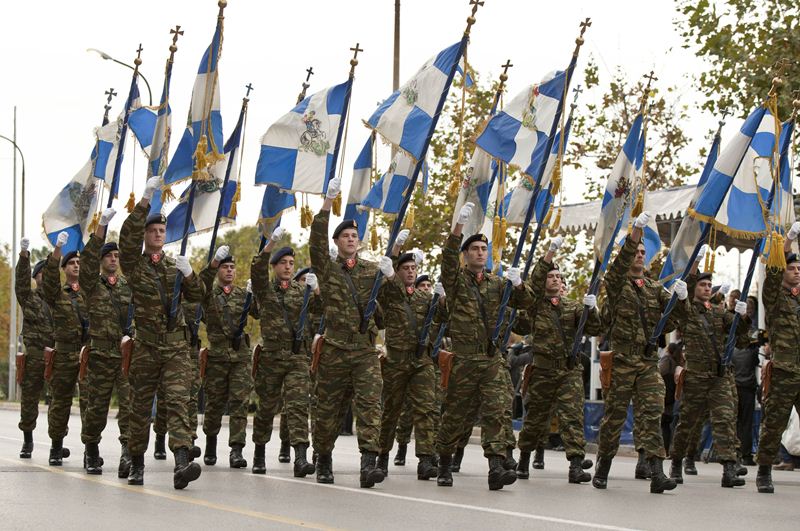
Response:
column 112, row 280
column 284, row 284
column 639, row 282
column 227, row 289
column 74, row 286
column 555, row 301
column 155, row 258
column 350, row 263
column 410, row 290
column 707, row 305
column 479, row 277
column 795, row 291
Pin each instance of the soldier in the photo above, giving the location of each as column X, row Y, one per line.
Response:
column 474, row 299
column 348, row 361
column 556, row 383
column 71, row 331
column 781, row 296
column 109, row 304
column 228, row 381
column 161, row 350
column 704, row 329
column 282, row 367
column 635, row 303
column 37, row 333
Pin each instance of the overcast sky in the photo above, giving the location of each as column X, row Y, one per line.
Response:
column 58, row 86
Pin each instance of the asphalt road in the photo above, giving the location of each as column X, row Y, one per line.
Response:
column 35, row 495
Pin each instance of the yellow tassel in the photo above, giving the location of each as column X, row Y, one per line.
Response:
column 503, row 233
column 131, row 204
column 202, row 161
column 373, row 237
column 337, row 205
column 232, row 212
column 303, row 222
column 236, row 196
column 711, row 262
column 556, row 180
column 95, row 221
column 776, row 258
column 556, row 221
column 638, row 206
column 546, row 220
column 408, row 223
column 495, row 227
column 166, row 194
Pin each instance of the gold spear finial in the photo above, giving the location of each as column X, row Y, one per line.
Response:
column 586, row 24
column 138, row 60
column 174, row 46
column 471, row 18
column 503, row 75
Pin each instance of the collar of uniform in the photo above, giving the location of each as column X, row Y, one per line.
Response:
column 349, row 263
column 281, row 285
column 110, row 280
column 703, row 306
column 639, row 281
column 794, row 292
column 477, row 277
column 71, row 286
column 227, row 290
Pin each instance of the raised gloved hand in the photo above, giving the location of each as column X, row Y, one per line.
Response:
column 62, row 238
column 680, row 289
column 514, row 276
column 334, row 185
column 740, row 308
column 794, row 231
column 702, row 252
column 183, row 265
column 311, row 281
column 333, row 252
column 402, row 236
column 556, row 243
column 385, row 265
column 418, row 256
column 150, row 187
column 590, row 301
column 106, row 216
column 249, row 286
column 222, row 253
column 24, row 244
column 438, row 289
column 465, row 213
column 725, row 288
column 277, row 234
column 642, row 220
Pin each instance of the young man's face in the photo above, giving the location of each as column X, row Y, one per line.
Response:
column 791, row 276
column 702, row 291
column 408, row 272
column 284, row 269
column 226, row 273
column 154, row 236
column 638, row 259
column 73, row 267
column 111, row 262
column 301, row 280
column 425, row 286
column 553, row 282
column 347, row 242
column 476, row 255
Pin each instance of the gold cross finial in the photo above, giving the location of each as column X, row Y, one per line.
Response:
column 249, row 87
column 577, row 91
column 110, row 93
column 310, row 70
column 174, row 46
column 354, row 60
column 471, row 19
column 138, row 59
column 503, row 75
column 579, row 40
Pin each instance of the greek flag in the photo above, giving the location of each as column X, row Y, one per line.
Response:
column 105, row 150
column 783, row 203
column 404, row 119
column 297, row 151
column 273, row 204
column 359, row 188
column 518, row 134
column 388, row 192
column 476, row 187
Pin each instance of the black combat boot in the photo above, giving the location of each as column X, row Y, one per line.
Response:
column 324, row 468
column 124, row 462
column 498, row 475
column 764, row 479
column 676, row 471
column 185, row 471
column 210, row 457
column 538, row 458
column 576, row 472
column 283, row 454
column 27, row 445
column 136, row 477
column 235, row 458
column 302, row 467
column 65, row 453
column 688, row 466
column 456, row 462
column 510, row 463
column 369, row 474
column 383, row 464
column 445, row 477
column 400, row 456
column 93, row 466
column 259, row 461
column 600, row 479
column 523, row 466
column 160, row 452
column 741, row 470
column 426, row 468
column 729, row 477
column 195, row 452
column 658, row 481
column 586, row 464
column 55, row 452
column 642, row 468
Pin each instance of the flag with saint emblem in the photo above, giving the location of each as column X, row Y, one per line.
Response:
column 359, row 188
column 388, row 193
column 476, row 185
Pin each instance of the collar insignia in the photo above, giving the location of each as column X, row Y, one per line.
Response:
column 410, row 290
column 284, row 284
column 112, row 280
column 707, row 304
column 155, row 258
column 350, row 263
column 227, row 289
column 74, row 286
column 795, row 291
column 555, row 301
column 479, row 277
column 639, row 282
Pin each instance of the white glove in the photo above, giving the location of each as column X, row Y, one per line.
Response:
column 642, row 220
column 418, row 256
column 24, row 244
column 333, row 252
column 277, row 234
column 222, row 253
column 150, row 187
column 334, row 185
column 465, row 213
column 794, row 231
column 385, row 265
column 741, row 308
column 590, row 301
column 183, row 265
column 311, row 281
column 514, row 276
column 680, row 289
column 702, row 253
column 725, row 288
column 249, row 286
column 62, row 238
column 438, row 289
column 106, row 216
column 556, row 243
column 402, row 236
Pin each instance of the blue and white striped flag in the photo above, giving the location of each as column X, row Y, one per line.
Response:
column 273, row 204
column 476, row 185
column 783, row 204
column 404, row 119
column 388, row 192
column 105, row 150
column 359, row 188
column 297, row 150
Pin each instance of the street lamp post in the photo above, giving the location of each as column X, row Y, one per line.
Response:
column 107, row 57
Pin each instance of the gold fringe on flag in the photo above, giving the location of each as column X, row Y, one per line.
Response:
column 131, row 204
column 95, row 221
column 408, row 222
column 638, row 206
column 166, row 194
column 776, row 257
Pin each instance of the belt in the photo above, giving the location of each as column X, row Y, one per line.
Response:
column 469, row 348
column 352, row 338
column 245, row 342
column 104, row 344
column 65, row 347
column 166, row 337
column 784, row 357
column 542, row 362
column 37, row 346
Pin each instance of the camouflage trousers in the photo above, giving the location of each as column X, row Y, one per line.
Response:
column 704, row 394
column 31, row 389
column 344, row 375
column 784, row 393
column 480, row 382
column 405, row 424
column 283, row 430
column 638, row 380
column 282, row 379
column 407, row 380
column 105, row 373
column 474, row 419
column 62, row 390
column 160, row 422
column 556, row 392
column 227, row 383
column 166, row 367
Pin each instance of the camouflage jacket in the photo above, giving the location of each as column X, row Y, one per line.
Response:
column 108, row 297
column 222, row 310
column 37, row 319
column 70, row 316
column 474, row 304
column 625, row 295
column 404, row 312
column 342, row 307
column 152, row 280
column 782, row 312
column 554, row 320
column 704, row 330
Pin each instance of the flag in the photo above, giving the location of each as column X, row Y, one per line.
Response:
column 518, row 134
column 105, row 150
column 274, row 202
column 476, row 187
column 388, row 192
column 405, row 118
column 359, row 188
column 782, row 207
column 118, row 149
column 297, row 151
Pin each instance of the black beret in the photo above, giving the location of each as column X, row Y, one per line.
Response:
column 472, row 239
column 107, row 248
column 227, row 260
column 37, row 268
column 421, row 279
column 346, row 224
column 156, row 217
column 67, row 257
column 405, row 257
column 302, row 272
column 704, row 276
column 792, row 257
column 280, row 253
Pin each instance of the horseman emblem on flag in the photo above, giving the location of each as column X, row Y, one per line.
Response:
column 529, row 114
column 410, row 92
column 314, row 139
column 81, row 197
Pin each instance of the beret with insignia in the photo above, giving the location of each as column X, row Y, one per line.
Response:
column 280, row 253
column 472, row 239
column 346, row 224
column 107, row 248
column 67, row 257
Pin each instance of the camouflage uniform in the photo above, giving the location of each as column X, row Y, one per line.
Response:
column 37, row 333
column 227, row 378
